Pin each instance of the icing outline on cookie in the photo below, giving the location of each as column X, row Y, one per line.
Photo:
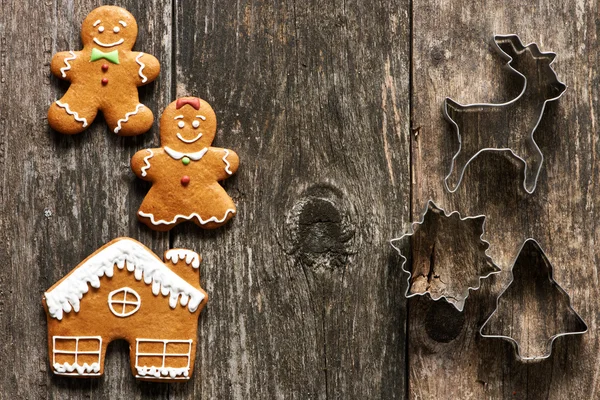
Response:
column 128, row 254
column 99, row 43
column 146, row 162
column 129, row 114
column 141, row 64
column 73, row 113
column 191, row 257
column 189, row 217
column 162, row 372
column 176, row 155
column 190, row 140
column 227, row 165
column 68, row 66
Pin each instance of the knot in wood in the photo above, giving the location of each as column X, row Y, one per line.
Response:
column 443, row 322
column 320, row 233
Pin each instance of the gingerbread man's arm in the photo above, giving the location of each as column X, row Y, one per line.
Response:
column 62, row 64
column 141, row 163
column 227, row 162
column 147, row 66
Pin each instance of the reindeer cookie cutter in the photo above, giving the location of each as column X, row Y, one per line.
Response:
column 529, row 282
column 442, row 244
column 514, row 122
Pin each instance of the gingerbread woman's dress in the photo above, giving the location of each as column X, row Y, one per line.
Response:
column 185, row 172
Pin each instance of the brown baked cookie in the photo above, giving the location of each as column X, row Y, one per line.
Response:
column 185, row 172
column 104, row 76
column 124, row 291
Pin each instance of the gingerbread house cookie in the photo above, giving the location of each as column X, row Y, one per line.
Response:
column 124, row 291
column 185, row 172
column 104, row 76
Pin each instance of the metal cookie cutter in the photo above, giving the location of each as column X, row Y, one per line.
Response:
column 533, row 310
column 449, row 255
column 508, row 126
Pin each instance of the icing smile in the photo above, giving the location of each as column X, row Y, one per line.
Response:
column 99, row 43
column 190, row 140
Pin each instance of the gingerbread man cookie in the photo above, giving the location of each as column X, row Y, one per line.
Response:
column 185, row 172
column 104, row 76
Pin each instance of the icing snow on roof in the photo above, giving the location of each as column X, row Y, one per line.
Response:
column 124, row 253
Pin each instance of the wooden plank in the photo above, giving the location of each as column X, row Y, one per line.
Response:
column 453, row 57
column 305, row 300
column 63, row 197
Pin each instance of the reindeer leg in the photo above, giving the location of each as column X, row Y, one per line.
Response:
column 533, row 164
column 459, row 164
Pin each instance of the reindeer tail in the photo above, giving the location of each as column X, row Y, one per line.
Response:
column 451, row 109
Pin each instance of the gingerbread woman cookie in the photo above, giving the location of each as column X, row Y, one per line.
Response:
column 185, row 172
column 104, row 76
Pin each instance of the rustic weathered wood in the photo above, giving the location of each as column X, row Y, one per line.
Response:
column 305, row 295
column 452, row 57
column 313, row 97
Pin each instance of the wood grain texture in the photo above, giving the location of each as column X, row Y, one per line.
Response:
column 306, row 297
column 313, row 97
column 453, row 57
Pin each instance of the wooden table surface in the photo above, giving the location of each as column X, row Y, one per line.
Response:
column 335, row 110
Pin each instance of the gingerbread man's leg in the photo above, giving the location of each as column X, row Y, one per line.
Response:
column 70, row 115
column 128, row 118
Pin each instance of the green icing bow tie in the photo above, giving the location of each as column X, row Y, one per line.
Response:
column 112, row 56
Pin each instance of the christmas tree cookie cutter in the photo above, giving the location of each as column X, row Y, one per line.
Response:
column 510, row 126
column 450, row 256
column 532, row 290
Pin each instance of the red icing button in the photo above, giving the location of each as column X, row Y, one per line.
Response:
column 185, row 180
column 104, row 81
column 104, row 67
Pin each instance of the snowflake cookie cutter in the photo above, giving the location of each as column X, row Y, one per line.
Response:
column 437, row 275
column 527, row 348
column 514, row 122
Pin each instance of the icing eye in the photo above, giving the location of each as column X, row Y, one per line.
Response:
column 116, row 29
column 100, row 29
column 196, row 124
column 181, row 124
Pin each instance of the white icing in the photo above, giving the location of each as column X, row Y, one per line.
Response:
column 227, row 165
column 99, row 43
column 196, row 124
column 68, row 66
column 66, row 296
column 144, row 168
column 123, row 23
column 202, row 117
column 73, row 113
column 85, row 369
column 142, row 66
column 190, row 140
column 75, row 368
column 192, row 156
column 96, row 23
column 162, row 371
column 191, row 258
column 100, row 29
column 129, row 114
column 186, row 217
column 178, row 117
column 123, row 302
column 116, row 29
column 181, row 124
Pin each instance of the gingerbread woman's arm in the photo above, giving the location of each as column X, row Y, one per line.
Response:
column 227, row 164
column 62, row 64
column 148, row 68
column 141, row 163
